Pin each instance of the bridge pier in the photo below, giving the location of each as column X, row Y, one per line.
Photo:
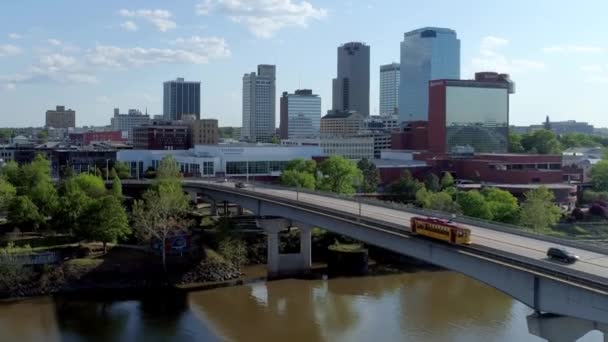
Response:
column 280, row 265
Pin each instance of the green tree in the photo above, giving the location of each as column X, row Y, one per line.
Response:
column 297, row 179
column 121, row 169
column 163, row 207
column 93, row 186
column 541, row 141
column 117, row 188
column 234, row 249
column 474, row 204
column 113, row 173
column 299, row 173
column 105, row 221
column 405, row 187
column 74, row 202
column 502, row 204
column 339, row 175
column 36, row 183
column 431, row 181
column 515, row 145
column 538, row 210
column 7, row 194
column 447, row 180
column 6, row 133
column 371, row 177
column 10, row 171
column 43, row 136
column 440, row 201
column 578, row 140
column 599, row 175
column 302, row 165
column 23, row 213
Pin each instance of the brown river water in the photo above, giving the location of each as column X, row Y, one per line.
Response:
column 417, row 306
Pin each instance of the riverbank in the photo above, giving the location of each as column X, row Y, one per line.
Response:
column 127, row 270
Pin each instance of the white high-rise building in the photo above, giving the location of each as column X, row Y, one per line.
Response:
column 390, row 76
column 300, row 114
column 126, row 122
column 259, row 96
column 427, row 54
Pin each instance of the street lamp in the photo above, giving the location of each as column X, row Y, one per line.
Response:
column 107, row 167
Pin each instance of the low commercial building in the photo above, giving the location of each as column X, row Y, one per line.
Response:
column 578, row 161
column 204, row 132
column 126, row 122
column 87, row 138
column 341, row 123
column 235, row 160
column 162, row 135
column 470, row 113
column 60, row 118
column 350, row 147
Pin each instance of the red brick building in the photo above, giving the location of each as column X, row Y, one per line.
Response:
column 161, row 135
column 86, row 138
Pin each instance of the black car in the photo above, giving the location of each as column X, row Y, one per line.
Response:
column 562, row 255
column 240, row 185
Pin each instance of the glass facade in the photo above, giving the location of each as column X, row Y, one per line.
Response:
column 477, row 117
column 181, row 98
column 304, row 115
column 426, row 54
column 350, row 89
column 259, row 95
column 255, row 167
column 390, row 76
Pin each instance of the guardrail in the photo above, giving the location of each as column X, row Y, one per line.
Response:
column 502, row 227
column 44, row 258
column 528, row 264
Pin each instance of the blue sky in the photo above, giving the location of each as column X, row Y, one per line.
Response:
column 93, row 56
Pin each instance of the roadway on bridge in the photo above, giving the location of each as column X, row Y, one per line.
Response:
column 589, row 262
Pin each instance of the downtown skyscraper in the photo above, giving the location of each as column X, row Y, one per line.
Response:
column 390, row 76
column 181, row 98
column 259, row 97
column 428, row 53
column 350, row 89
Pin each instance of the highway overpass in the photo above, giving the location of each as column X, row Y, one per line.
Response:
column 510, row 260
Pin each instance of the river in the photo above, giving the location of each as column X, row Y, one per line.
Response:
column 416, row 306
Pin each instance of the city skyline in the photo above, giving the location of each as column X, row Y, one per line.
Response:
column 560, row 72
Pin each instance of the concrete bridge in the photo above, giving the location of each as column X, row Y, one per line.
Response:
column 509, row 260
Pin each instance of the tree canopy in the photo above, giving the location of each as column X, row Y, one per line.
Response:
column 541, row 141
column 405, row 187
column 300, row 173
column 339, row 175
column 599, row 175
column 515, row 145
column 371, row 177
column 447, row 180
column 105, row 220
column 441, row 201
column 23, row 213
column 538, row 211
column 474, row 204
column 431, row 182
column 502, row 204
column 7, row 194
column 121, row 169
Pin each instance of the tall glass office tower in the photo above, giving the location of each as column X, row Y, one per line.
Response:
column 350, row 89
column 389, row 89
column 428, row 53
column 181, row 98
column 259, row 96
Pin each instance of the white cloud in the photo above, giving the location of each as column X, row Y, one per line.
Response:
column 599, row 79
column 14, row 36
column 102, row 99
column 159, row 18
column 491, row 58
column 8, row 86
column 9, row 50
column 195, row 50
column 574, row 49
column 54, row 42
column 129, row 26
column 592, row 68
column 264, row 18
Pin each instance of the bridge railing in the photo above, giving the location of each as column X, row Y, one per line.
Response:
column 527, row 264
column 459, row 218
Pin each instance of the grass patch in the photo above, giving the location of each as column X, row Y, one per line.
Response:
column 347, row 248
column 84, row 262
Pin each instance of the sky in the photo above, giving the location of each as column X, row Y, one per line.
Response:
column 93, row 56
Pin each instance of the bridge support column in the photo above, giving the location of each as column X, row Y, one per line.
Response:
column 280, row 265
column 240, row 211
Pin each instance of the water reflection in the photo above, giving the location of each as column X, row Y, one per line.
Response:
column 418, row 306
